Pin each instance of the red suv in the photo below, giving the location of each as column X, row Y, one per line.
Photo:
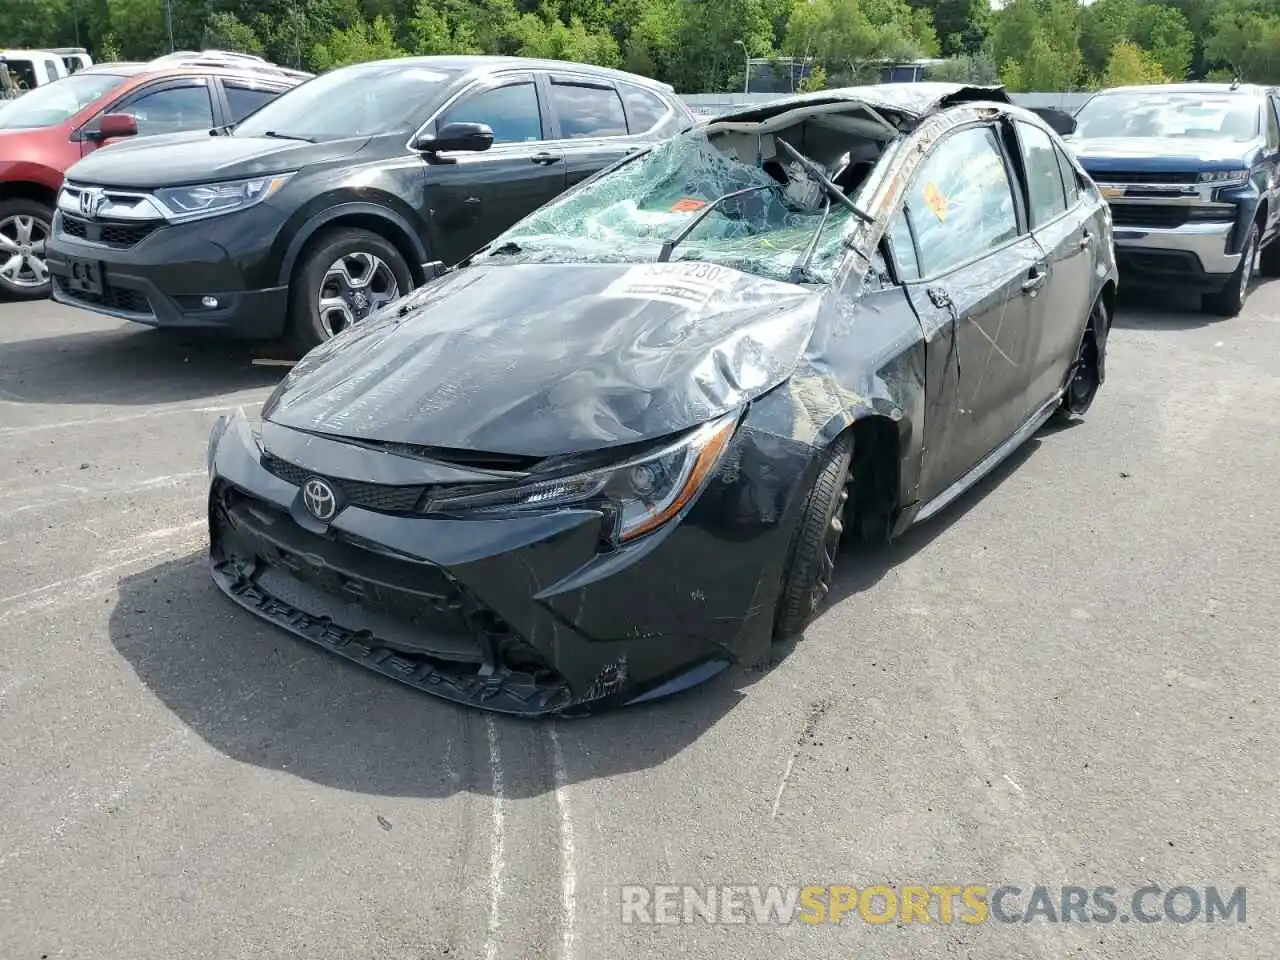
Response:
column 45, row 131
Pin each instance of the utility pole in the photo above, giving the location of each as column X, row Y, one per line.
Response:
column 746, row 73
column 168, row 21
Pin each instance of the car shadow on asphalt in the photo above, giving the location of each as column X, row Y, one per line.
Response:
column 1158, row 309
column 260, row 696
column 130, row 367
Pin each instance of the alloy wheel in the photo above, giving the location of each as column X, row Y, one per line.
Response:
column 22, row 256
column 353, row 287
column 1246, row 268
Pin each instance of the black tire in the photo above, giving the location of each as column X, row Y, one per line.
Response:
column 806, row 580
column 17, row 217
column 1269, row 259
column 1229, row 301
column 1089, row 369
column 357, row 250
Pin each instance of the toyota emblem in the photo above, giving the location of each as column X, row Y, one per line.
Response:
column 92, row 201
column 320, row 500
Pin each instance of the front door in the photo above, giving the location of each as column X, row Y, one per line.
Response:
column 472, row 197
column 970, row 268
column 170, row 106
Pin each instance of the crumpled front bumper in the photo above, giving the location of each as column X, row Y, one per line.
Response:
column 525, row 615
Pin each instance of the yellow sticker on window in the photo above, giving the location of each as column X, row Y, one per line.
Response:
column 936, row 200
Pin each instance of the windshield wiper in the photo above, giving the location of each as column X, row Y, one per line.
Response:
column 800, row 270
column 669, row 246
column 816, row 172
column 287, row 136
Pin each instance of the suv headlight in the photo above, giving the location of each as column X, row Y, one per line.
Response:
column 213, row 199
column 1222, row 176
column 638, row 495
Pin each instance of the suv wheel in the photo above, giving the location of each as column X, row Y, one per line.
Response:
column 1229, row 301
column 348, row 274
column 24, row 230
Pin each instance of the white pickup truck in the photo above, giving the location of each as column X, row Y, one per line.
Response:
column 29, row 69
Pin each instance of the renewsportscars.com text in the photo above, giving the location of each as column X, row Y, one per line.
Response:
column 936, row 903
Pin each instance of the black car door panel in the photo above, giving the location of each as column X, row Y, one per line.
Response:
column 589, row 121
column 973, row 277
column 1066, row 237
column 473, row 196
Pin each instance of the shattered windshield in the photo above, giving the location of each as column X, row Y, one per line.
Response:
column 625, row 216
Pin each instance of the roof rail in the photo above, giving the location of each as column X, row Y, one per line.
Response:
column 221, row 58
column 66, row 51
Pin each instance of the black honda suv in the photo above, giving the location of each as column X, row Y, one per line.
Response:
column 342, row 194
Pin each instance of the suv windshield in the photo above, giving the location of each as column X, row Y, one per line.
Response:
column 625, row 217
column 1201, row 115
column 360, row 101
column 58, row 101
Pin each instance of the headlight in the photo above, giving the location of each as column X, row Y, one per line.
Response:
column 212, row 199
column 638, row 495
column 1222, row 176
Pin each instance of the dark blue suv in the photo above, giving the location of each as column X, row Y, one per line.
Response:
column 1191, row 173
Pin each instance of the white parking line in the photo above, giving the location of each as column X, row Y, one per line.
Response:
column 568, row 876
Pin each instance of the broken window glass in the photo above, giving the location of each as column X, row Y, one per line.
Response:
column 625, row 216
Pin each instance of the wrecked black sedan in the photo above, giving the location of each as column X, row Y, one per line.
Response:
column 616, row 450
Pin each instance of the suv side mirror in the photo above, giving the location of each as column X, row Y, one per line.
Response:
column 456, row 136
column 113, row 125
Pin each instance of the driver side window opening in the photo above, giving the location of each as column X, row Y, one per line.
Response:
column 959, row 206
column 511, row 111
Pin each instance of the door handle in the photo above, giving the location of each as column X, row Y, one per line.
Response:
column 544, row 158
column 1086, row 239
column 1035, row 281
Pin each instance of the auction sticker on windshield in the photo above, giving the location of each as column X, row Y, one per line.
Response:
column 689, row 284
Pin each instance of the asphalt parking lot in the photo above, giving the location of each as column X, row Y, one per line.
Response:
column 1069, row 678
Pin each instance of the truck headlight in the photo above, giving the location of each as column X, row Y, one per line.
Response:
column 1222, row 176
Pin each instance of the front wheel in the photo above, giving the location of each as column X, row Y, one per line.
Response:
column 1229, row 301
column 25, row 226
column 807, row 578
column 348, row 274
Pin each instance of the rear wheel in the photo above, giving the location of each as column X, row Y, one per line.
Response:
column 1090, row 365
column 807, row 578
column 24, row 230
column 1229, row 301
column 348, row 274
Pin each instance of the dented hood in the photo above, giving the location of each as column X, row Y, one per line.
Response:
column 546, row 359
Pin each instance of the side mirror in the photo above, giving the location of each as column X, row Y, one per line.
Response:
column 1062, row 123
column 456, row 136
column 114, row 125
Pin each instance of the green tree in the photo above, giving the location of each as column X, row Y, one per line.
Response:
column 1163, row 33
column 1129, row 65
column 966, row 68
column 225, row 31
column 358, row 43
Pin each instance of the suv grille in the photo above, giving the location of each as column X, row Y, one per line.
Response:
column 1149, row 214
column 111, row 234
column 1142, row 176
column 384, row 498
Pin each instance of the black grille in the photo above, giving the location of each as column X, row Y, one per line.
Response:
column 1142, row 176
column 114, row 298
column 1149, row 214
column 108, row 233
column 384, row 498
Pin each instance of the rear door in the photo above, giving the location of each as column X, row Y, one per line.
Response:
column 589, row 120
column 242, row 96
column 1067, row 240
column 961, row 245
column 1271, row 110
column 474, row 196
